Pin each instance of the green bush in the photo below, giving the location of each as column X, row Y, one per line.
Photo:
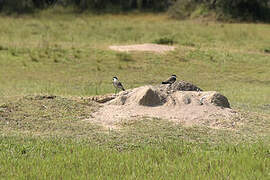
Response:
column 183, row 8
column 25, row 6
column 21, row 6
column 247, row 10
column 18, row 6
column 123, row 5
column 267, row 50
column 164, row 40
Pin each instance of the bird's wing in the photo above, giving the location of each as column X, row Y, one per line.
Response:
column 120, row 84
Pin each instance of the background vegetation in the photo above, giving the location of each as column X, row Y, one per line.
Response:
column 247, row 10
column 244, row 10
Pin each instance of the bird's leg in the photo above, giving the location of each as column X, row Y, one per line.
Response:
column 115, row 91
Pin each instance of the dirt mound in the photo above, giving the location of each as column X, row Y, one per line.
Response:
column 169, row 96
column 45, row 115
column 181, row 102
column 143, row 47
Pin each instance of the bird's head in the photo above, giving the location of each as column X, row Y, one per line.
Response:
column 115, row 78
column 174, row 75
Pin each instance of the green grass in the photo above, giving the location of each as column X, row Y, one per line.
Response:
column 48, row 137
column 67, row 55
column 60, row 159
column 49, row 54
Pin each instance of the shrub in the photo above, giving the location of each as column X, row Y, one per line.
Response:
column 97, row 5
column 123, row 5
column 267, row 50
column 164, row 40
column 19, row 6
column 247, row 10
column 182, row 9
column 24, row 6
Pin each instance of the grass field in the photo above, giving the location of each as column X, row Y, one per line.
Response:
column 67, row 55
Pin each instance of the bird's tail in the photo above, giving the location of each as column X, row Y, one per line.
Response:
column 164, row 83
column 123, row 88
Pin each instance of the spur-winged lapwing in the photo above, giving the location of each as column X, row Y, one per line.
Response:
column 117, row 84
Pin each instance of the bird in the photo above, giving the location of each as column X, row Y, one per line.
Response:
column 117, row 84
column 171, row 80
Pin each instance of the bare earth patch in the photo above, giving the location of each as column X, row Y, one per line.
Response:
column 181, row 103
column 143, row 47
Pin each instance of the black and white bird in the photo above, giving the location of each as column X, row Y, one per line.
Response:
column 171, row 80
column 117, row 84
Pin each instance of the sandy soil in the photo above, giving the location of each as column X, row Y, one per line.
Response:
column 143, row 47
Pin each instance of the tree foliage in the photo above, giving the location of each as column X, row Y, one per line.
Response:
column 239, row 9
column 100, row 5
